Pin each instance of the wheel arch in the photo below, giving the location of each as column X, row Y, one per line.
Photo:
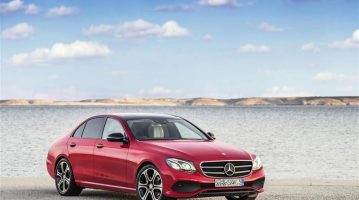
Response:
column 140, row 167
column 144, row 163
column 59, row 158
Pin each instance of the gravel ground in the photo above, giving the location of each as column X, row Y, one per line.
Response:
column 43, row 188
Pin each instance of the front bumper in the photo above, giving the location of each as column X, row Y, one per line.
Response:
column 180, row 184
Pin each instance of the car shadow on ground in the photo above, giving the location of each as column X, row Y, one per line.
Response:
column 100, row 194
column 44, row 193
column 109, row 195
column 95, row 194
column 37, row 193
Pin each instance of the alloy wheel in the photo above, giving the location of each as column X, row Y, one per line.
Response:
column 150, row 185
column 63, row 175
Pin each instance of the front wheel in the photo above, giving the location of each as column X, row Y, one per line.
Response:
column 149, row 184
column 64, row 180
column 250, row 197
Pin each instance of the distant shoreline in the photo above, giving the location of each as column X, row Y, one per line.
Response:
column 201, row 101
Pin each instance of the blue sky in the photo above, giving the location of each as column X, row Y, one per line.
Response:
column 72, row 50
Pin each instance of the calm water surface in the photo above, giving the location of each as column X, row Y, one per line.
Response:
column 294, row 142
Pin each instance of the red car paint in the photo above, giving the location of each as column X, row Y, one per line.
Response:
column 114, row 166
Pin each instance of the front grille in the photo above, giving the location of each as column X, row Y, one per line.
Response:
column 216, row 168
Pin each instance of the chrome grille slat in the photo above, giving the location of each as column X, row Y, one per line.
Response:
column 242, row 172
column 215, row 169
column 243, row 166
column 215, row 172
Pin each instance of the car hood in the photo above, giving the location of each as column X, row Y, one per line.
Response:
column 199, row 150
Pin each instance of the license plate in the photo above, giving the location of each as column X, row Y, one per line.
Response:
column 228, row 182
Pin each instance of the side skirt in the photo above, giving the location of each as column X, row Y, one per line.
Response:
column 93, row 185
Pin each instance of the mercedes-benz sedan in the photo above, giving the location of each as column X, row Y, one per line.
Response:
column 154, row 156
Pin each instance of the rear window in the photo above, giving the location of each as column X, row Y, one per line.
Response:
column 93, row 128
column 79, row 130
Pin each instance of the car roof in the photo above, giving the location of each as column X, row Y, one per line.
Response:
column 131, row 116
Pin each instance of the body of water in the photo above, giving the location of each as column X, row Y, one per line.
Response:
column 294, row 142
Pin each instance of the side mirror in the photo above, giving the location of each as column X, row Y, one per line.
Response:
column 211, row 135
column 117, row 137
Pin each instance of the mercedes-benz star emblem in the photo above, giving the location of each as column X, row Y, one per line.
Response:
column 229, row 169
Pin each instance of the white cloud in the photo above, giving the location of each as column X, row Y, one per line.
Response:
column 352, row 42
column 11, row 6
column 172, row 29
column 270, row 28
column 32, row 9
column 61, row 51
column 250, row 48
column 180, row 7
column 329, row 76
column 225, row 3
column 99, row 29
column 310, row 47
column 19, row 31
column 62, row 11
column 219, row 3
column 139, row 28
column 285, row 91
column 208, row 37
column 18, row 5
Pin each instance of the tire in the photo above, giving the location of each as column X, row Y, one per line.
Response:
column 64, row 179
column 251, row 197
column 149, row 185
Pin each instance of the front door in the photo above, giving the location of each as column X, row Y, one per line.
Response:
column 110, row 158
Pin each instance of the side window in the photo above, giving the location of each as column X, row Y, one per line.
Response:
column 79, row 131
column 112, row 126
column 93, row 128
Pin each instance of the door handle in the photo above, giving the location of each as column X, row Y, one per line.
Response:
column 72, row 144
column 99, row 146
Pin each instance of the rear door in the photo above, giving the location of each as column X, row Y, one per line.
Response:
column 81, row 147
column 110, row 158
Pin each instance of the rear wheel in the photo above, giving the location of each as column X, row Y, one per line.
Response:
column 250, row 197
column 64, row 179
column 149, row 184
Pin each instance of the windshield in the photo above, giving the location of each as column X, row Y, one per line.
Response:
column 164, row 129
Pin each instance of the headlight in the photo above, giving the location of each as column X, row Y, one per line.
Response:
column 257, row 164
column 183, row 165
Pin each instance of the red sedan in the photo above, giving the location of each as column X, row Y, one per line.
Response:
column 155, row 156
